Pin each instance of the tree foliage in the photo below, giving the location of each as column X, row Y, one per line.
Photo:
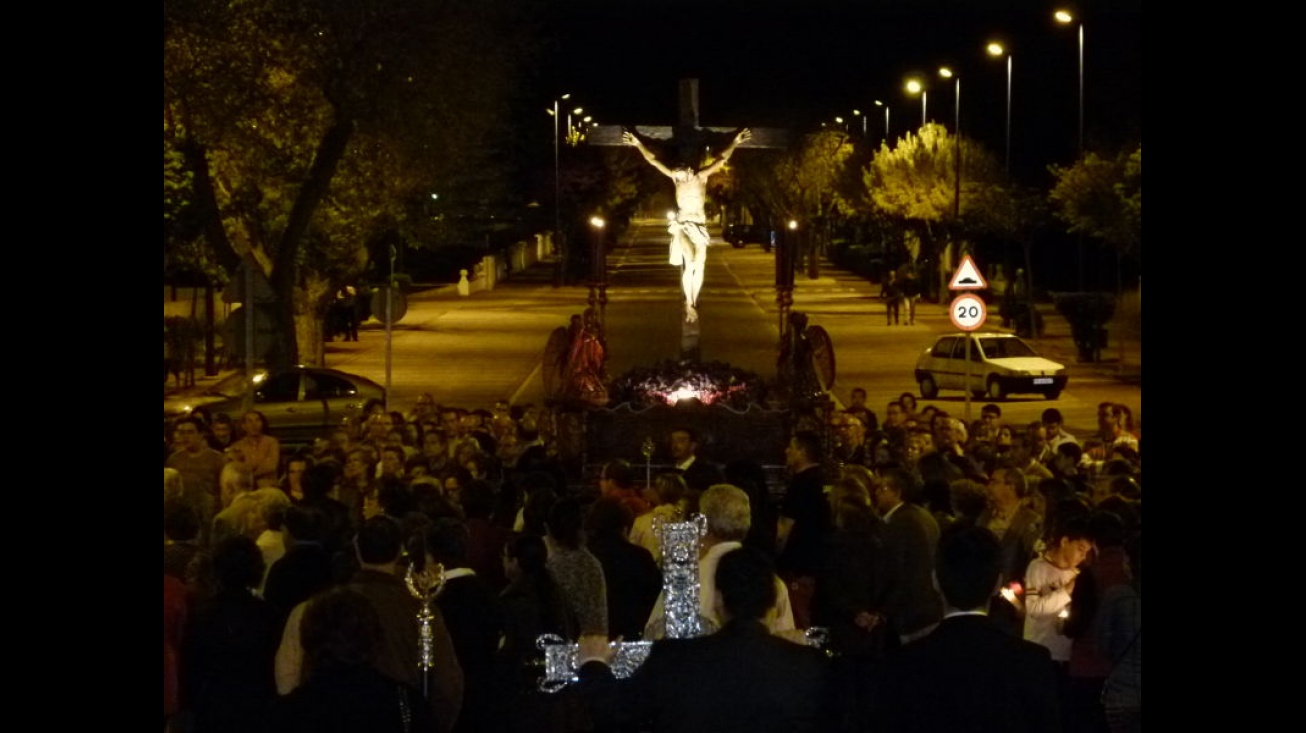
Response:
column 916, row 180
column 1103, row 197
column 308, row 127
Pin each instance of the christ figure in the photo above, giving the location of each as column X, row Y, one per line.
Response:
column 689, row 236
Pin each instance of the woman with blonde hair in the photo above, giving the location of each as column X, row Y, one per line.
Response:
column 671, row 491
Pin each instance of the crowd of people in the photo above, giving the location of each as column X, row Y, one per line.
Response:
column 289, row 600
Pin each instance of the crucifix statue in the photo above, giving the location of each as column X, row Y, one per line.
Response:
column 689, row 235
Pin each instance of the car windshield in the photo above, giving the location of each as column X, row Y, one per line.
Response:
column 1005, row 348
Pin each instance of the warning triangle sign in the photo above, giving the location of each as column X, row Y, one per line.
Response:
column 967, row 276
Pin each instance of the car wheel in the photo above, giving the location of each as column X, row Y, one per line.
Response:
column 1052, row 394
column 929, row 390
column 995, row 392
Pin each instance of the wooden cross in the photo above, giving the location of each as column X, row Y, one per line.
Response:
column 689, row 139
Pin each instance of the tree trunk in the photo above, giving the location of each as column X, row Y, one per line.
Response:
column 206, row 201
column 309, row 336
column 315, row 298
column 285, row 275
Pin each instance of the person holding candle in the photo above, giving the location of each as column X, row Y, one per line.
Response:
column 1049, row 581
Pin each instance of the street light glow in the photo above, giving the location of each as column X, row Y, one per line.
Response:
column 597, row 222
column 793, row 223
column 995, row 49
column 1063, row 16
column 945, row 72
column 914, row 86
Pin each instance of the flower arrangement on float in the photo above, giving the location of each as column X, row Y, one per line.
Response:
column 671, row 382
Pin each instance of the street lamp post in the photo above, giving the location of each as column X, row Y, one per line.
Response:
column 785, row 263
column 1064, row 17
column 878, row 103
column 598, row 269
column 914, row 86
column 996, row 49
column 571, row 134
column 858, row 113
column 557, row 196
column 946, row 73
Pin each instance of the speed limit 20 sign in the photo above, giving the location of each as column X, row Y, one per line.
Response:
column 968, row 311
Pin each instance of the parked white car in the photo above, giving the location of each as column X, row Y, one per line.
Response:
column 1001, row 364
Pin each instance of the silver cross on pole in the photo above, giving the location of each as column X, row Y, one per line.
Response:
column 680, row 542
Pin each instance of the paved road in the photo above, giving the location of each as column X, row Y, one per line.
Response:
column 474, row 350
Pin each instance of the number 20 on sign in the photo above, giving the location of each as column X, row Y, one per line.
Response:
column 968, row 311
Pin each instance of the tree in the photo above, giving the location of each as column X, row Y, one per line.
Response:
column 1103, row 197
column 915, row 182
column 307, row 125
column 808, row 182
column 604, row 181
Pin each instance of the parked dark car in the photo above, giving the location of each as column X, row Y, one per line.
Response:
column 739, row 235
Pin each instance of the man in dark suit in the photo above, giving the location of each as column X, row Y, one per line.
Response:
column 699, row 474
column 305, row 569
column 632, row 576
column 967, row 675
column 471, row 612
column 912, row 605
column 805, row 523
column 741, row 678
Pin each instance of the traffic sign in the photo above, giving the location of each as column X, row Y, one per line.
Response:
column 967, row 276
column 968, row 312
column 398, row 304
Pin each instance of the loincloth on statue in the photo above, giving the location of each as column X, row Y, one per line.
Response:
column 689, row 241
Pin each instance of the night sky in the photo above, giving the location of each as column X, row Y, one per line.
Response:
column 793, row 63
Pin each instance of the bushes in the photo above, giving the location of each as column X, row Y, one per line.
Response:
column 1087, row 314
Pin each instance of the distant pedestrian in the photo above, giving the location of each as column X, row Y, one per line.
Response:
column 911, row 292
column 891, row 293
column 347, row 299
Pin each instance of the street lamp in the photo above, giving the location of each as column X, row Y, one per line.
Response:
column 598, row 268
column 858, row 113
column 878, row 103
column 571, row 139
column 996, row 49
column 557, row 194
column 946, row 73
column 914, row 86
column 1065, row 18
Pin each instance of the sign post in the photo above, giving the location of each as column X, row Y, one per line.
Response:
column 968, row 311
